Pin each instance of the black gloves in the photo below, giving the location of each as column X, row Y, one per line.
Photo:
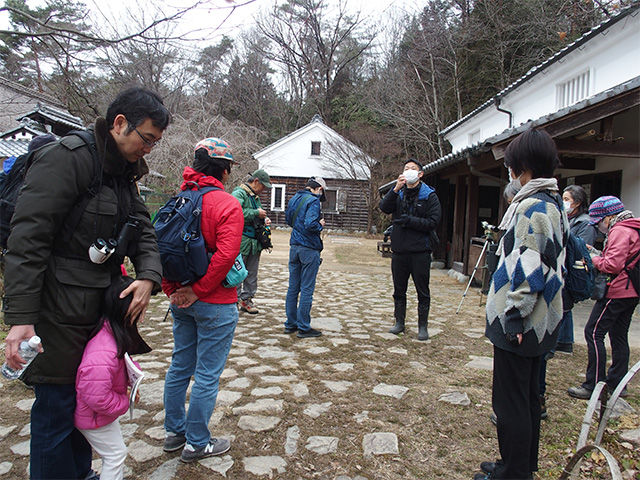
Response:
column 402, row 220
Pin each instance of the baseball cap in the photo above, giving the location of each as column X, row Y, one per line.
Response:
column 263, row 177
column 603, row 207
column 315, row 182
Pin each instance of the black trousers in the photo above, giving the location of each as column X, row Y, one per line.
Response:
column 416, row 265
column 609, row 316
column 516, row 403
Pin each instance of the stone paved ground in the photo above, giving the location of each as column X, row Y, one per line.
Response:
column 357, row 403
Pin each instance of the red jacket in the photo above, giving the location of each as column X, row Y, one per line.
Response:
column 222, row 224
column 623, row 242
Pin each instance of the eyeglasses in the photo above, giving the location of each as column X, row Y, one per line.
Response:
column 146, row 141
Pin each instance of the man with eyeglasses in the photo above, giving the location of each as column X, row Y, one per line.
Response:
column 53, row 285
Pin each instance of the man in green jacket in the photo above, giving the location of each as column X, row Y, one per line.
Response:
column 53, row 286
column 255, row 217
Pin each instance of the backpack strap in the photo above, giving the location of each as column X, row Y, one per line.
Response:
column 295, row 215
column 72, row 220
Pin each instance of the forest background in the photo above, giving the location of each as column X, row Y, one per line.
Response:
column 389, row 83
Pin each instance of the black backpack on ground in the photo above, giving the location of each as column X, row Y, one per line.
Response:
column 12, row 183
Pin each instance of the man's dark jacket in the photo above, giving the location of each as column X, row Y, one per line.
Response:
column 415, row 219
column 52, row 284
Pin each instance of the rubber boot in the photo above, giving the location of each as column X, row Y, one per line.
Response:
column 399, row 312
column 423, row 320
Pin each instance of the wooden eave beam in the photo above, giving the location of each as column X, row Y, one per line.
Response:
column 571, row 146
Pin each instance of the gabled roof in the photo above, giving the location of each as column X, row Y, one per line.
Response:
column 50, row 116
column 13, row 147
column 316, row 122
column 29, row 92
column 544, row 65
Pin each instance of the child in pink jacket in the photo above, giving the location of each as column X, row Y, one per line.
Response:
column 102, row 382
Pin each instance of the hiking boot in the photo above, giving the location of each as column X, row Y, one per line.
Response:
column 579, row 392
column 92, row 476
column 312, row 332
column 543, row 408
column 174, row 441
column 490, row 467
column 216, row 446
column 564, row 348
column 290, row 329
column 482, row 476
column 248, row 306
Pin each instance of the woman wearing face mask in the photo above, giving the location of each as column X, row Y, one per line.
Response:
column 524, row 304
column 575, row 203
column 612, row 314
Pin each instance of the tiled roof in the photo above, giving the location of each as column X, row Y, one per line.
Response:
column 54, row 115
column 29, row 92
column 486, row 145
column 550, row 61
column 12, row 147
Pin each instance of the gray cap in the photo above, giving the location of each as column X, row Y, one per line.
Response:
column 263, row 177
column 315, row 182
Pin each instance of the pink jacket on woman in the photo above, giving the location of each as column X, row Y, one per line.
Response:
column 623, row 242
column 101, row 383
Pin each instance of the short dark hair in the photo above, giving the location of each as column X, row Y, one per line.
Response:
column 532, row 150
column 210, row 166
column 579, row 196
column 137, row 104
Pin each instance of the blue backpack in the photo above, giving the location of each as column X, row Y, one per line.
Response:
column 580, row 275
column 182, row 250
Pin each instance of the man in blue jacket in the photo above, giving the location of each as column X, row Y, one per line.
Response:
column 416, row 213
column 304, row 216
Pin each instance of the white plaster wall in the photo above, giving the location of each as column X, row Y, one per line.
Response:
column 292, row 157
column 611, row 58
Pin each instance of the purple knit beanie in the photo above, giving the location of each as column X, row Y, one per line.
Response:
column 603, row 207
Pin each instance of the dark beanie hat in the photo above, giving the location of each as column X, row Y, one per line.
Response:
column 40, row 141
column 413, row 160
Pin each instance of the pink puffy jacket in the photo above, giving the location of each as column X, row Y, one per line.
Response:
column 101, row 383
column 623, row 243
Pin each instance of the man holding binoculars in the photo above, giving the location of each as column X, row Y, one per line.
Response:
column 57, row 268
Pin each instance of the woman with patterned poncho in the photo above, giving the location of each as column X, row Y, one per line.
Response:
column 524, row 305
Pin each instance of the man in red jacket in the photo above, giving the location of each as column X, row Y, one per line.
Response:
column 205, row 313
column 612, row 314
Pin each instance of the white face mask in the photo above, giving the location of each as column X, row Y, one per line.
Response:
column 515, row 181
column 411, row 176
column 567, row 207
column 602, row 227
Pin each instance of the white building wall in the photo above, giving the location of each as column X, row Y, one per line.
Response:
column 611, row 58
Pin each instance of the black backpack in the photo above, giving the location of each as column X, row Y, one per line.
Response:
column 12, row 182
column 633, row 273
column 580, row 275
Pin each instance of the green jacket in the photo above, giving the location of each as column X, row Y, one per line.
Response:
column 52, row 284
column 250, row 203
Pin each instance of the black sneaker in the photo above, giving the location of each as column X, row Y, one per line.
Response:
column 312, row 332
column 174, row 441
column 564, row 348
column 290, row 330
column 216, row 446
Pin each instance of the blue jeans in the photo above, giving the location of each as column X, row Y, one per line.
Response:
column 304, row 263
column 58, row 449
column 202, row 336
column 565, row 334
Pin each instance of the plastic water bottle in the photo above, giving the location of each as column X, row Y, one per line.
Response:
column 28, row 351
